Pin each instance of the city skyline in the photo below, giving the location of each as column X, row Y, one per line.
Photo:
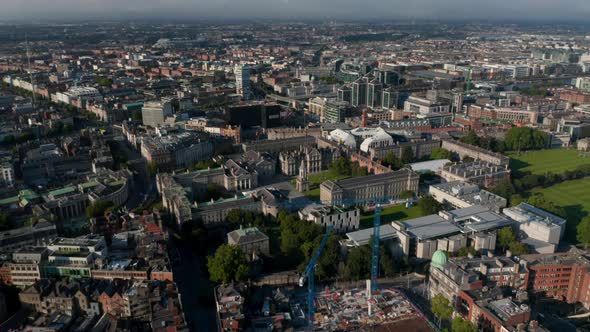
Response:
column 518, row 10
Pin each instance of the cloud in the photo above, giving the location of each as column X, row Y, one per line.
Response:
column 302, row 9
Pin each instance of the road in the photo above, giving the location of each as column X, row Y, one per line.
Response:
column 195, row 289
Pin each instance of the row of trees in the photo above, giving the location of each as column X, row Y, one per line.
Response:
column 407, row 157
column 516, row 139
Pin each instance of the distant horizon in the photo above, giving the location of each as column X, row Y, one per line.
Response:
column 318, row 21
column 292, row 10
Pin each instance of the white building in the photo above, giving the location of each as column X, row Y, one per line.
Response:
column 7, row 173
column 424, row 106
column 543, row 230
column 342, row 220
column 154, row 113
column 343, row 138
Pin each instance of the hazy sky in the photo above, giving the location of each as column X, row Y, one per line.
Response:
column 300, row 9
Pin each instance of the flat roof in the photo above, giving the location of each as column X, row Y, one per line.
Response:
column 430, row 165
column 429, row 227
column 362, row 237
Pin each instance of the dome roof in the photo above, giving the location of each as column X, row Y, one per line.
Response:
column 439, row 259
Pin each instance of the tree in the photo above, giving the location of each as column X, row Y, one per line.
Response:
column 407, row 194
column 358, row 263
column 428, row 205
column 408, row 154
column 341, row 166
column 518, row 248
column 98, row 208
column 540, row 202
column 504, row 188
column 441, row 307
column 228, row 264
column 461, row 325
column 465, row 251
column 440, row 153
column 525, row 138
column 583, row 232
column 327, row 263
column 391, row 160
column 103, row 81
column 357, row 170
column 506, row 237
column 471, row 138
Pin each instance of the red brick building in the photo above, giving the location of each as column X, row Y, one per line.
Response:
column 563, row 276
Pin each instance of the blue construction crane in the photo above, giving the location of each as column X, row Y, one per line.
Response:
column 309, row 274
column 376, row 240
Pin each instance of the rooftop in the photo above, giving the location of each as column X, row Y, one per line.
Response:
column 244, row 235
column 524, row 212
column 429, row 227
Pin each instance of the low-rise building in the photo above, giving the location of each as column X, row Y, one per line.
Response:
column 542, row 230
column 475, row 226
column 475, row 152
column 376, row 188
column 341, row 220
column 230, row 305
column 481, row 173
column 27, row 266
column 250, row 240
column 462, row 195
column 215, row 212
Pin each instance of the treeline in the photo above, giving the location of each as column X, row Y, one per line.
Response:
column 521, row 183
column 516, row 139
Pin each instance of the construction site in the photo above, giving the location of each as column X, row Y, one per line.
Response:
column 356, row 309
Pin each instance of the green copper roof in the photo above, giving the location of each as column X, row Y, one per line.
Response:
column 62, row 191
column 9, row 200
column 439, row 259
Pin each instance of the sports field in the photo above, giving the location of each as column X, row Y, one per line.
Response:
column 544, row 161
column 574, row 197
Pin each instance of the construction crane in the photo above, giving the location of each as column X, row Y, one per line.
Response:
column 309, row 274
column 376, row 240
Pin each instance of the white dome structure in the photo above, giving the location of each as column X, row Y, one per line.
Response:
column 343, row 138
column 380, row 140
column 365, row 133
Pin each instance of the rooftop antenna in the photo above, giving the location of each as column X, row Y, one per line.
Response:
column 29, row 69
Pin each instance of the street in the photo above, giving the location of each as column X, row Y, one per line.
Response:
column 196, row 290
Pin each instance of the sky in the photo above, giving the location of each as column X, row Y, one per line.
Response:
column 526, row 10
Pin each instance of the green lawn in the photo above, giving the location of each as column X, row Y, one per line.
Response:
column 316, row 179
column 574, row 197
column 313, row 194
column 543, row 161
column 391, row 213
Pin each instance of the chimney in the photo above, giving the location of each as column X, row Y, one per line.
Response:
column 490, row 254
column 508, row 253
